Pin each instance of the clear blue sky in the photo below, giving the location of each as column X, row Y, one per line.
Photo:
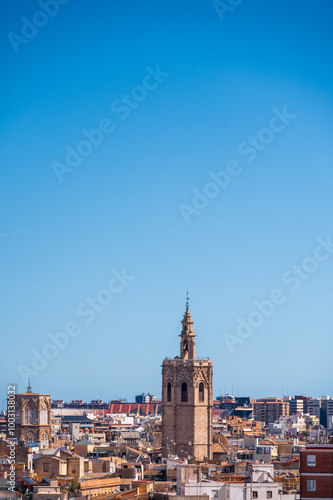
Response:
column 120, row 207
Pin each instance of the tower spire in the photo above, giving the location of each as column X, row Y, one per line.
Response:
column 29, row 386
column 187, row 344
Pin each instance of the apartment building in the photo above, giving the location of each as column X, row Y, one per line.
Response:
column 316, row 472
column 269, row 410
column 312, row 407
column 257, row 482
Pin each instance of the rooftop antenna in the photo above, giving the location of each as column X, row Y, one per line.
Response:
column 29, row 386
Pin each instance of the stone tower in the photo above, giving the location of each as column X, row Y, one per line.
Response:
column 187, row 400
column 33, row 418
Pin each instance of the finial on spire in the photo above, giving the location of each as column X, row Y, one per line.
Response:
column 29, row 386
column 187, row 300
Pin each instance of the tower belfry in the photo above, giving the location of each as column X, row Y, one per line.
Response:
column 187, row 399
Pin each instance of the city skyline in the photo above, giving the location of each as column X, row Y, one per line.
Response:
column 151, row 149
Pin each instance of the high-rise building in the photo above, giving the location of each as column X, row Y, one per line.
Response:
column 326, row 411
column 312, row 407
column 269, row 410
column 187, row 400
column 298, row 405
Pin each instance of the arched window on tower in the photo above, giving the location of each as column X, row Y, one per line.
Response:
column 184, row 394
column 30, row 414
column 44, row 415
column 169, row 393
column 18, row 415
column 30, row 437
column 201, row 392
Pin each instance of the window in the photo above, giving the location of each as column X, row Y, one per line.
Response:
column 30, row 415
column 30, row 437
column 311, row 460
column 311, row 485
column 44, row 442
column 169, row 393
column 269, row 494
column 184, row 389
column 201, row 392
column 44, row 415
column 46, row 467
column 254, row 494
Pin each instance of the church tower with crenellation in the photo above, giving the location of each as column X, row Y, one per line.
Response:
column 187, row 400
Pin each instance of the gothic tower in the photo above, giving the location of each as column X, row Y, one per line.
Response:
column 187, row 400
column 33, row 418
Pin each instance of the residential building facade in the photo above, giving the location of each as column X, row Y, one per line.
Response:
column 269, row 410
column 316, row 472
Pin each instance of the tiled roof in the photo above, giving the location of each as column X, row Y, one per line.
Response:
column 137, row 408
column 219, row 448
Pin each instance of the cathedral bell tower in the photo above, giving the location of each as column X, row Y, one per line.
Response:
column 187, row 400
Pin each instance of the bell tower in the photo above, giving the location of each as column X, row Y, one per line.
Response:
column 187, row 399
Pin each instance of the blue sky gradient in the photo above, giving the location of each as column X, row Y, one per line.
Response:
column 120, row 207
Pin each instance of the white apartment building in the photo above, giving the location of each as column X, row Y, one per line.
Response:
column 260, row 484
column 293, row 423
